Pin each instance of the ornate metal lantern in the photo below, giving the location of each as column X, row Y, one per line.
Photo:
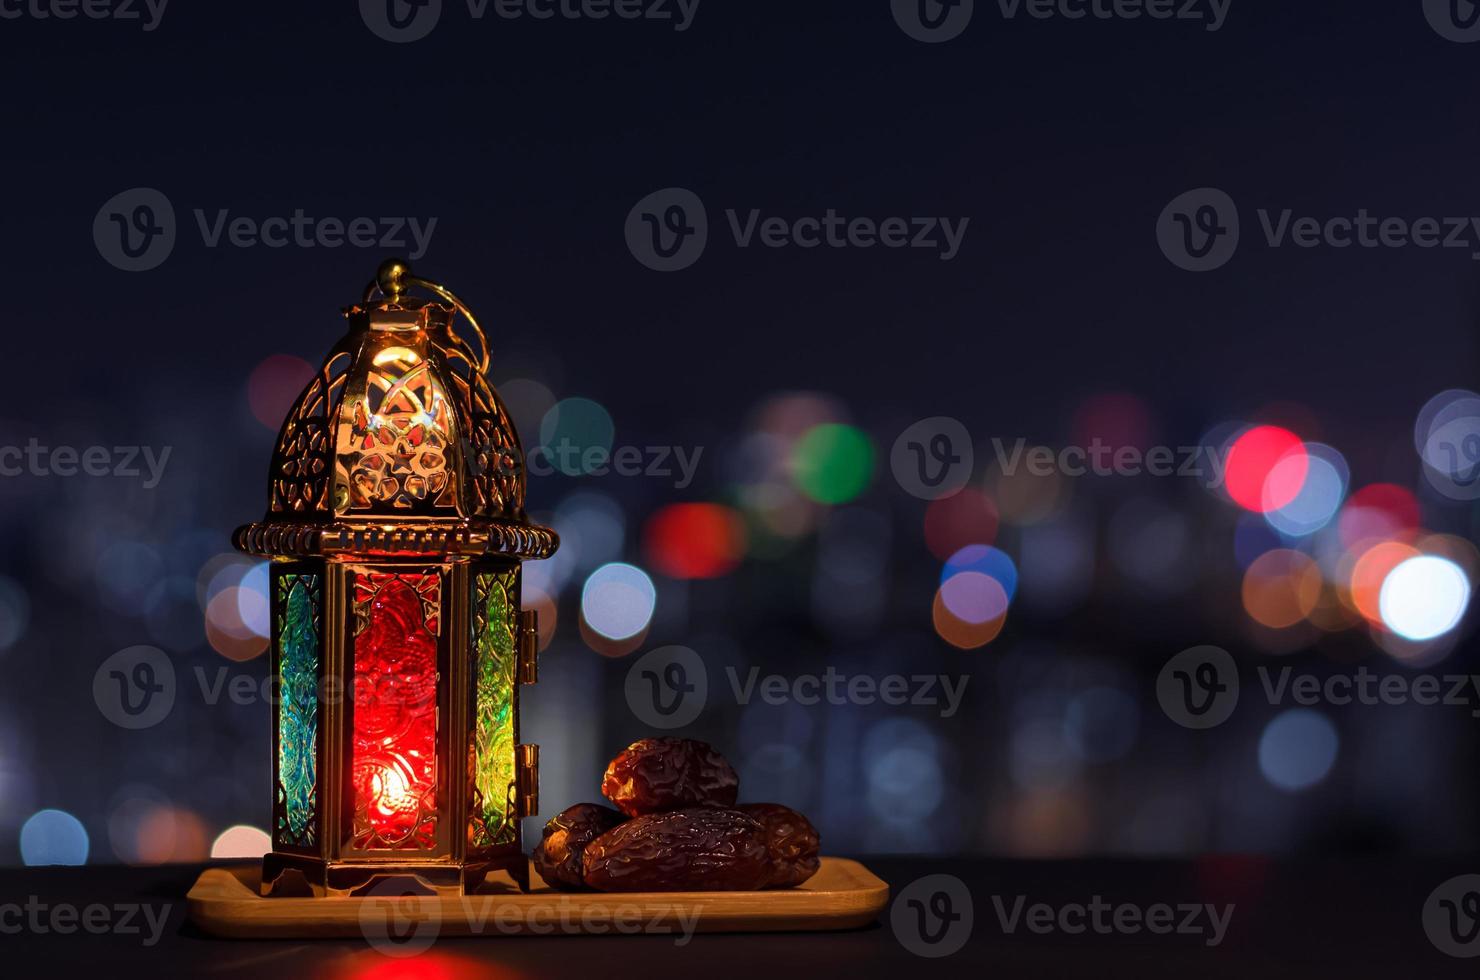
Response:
column 396, row 530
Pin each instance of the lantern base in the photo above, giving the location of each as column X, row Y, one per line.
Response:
column 298, row 876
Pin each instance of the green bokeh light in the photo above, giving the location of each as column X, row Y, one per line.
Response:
column 833, row 463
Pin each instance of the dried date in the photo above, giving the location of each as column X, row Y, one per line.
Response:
column 558, row 856
column 656, row 774
column 698, row 849
column 791, row 841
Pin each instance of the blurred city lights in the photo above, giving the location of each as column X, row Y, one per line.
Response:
column 1149, row 544
column 15, row 612
column 1439, row 417
column 592, row 526
column 1114, row 419
column 526, row 400
column 576, row 436
column 1297, row 749
column 1028, row 496
column 1057, row 562
column 987, row 560
column 1252, row 537
column 833, row 463
column 1281, row 588
column 964, row 518
column 974, row 598
column 694, row 541
column 976, row 594
column 1370, row 571
column 241, row 841
column 1322, row 489
column 1424, row 597
column 1380, row 511
column 126, row 572
column 905, row 781
column 1265, row 468
column 274, row 385
column 618, row 601
column 53, row 837
column 1101, row 723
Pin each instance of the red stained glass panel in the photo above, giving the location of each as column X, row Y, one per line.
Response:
column 395, row 710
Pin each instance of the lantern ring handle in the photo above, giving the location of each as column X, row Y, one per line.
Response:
column 392, row 279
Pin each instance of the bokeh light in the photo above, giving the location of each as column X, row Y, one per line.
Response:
column 1114, row 419
column 1150, row 545
column 1281, row 588
column 905, row 781
column 592, row 528
column 974, row 598
column 987, row 560
column 975, row 594
column 1380, row 511
column 1265, row 468
column 964, row 518
column 694, row 541
column 53, row 837
column 576, row 437
column 15, row 612
column 1101, row 723
column 618, row 601
column 1027, row 496
column 1370, row 571
column 1424, row 597
column 1322, row 489
column 1298, row 749
column 274, row 385
column 241, row 841
column 833, row 463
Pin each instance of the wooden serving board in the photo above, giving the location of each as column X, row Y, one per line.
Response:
column 842, row 895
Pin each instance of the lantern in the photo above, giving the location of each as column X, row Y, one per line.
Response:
column 396, row 529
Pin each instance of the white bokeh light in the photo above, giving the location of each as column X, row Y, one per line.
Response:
column 1424, row 597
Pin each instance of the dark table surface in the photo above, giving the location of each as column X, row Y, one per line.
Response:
column 1349, row 917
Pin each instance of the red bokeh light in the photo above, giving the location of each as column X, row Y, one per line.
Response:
column 1380, row 511
column 1266, row 468
column 688, row 541
column 952, row 523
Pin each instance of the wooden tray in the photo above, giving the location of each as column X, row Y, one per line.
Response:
column 842, row 895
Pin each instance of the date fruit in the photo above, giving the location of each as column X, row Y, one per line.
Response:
column 699, row 849
column 792, row 842
column 558, row 856
column 657, row 774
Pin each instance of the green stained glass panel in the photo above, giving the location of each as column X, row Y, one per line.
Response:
column 298, row 709
column 493, row 708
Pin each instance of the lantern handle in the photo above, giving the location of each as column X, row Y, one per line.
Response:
column 394, row 277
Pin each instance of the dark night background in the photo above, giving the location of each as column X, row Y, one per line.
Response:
column 529, row 142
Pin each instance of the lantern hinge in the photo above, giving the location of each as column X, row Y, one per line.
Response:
column 529, row 646
column 527, row 779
